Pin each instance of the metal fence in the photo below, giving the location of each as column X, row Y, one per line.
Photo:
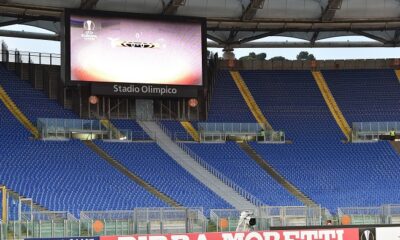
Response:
column 16, row 56
column 373, row 131
column 269, row 216
column 385, row 214
column 215, row 132
column 54, row 128
column 361, row 215
column 91, row 223
column 169, row 220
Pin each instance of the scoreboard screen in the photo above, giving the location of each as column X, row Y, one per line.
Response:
column 107, row 47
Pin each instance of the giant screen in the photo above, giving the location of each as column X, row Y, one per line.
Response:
column 114, row 49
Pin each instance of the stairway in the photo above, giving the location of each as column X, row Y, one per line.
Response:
column 276, row 175
column 13, row 108
column 397, row 74
column 251, row 103
column 187, row 162
column 116, row 134
column 332, row 105
column 191, row 130
column 396, row 146
column 138, row 180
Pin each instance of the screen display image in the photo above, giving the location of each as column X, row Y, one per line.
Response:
column 126, row 50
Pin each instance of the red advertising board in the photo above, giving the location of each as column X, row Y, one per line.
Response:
column 304, row 234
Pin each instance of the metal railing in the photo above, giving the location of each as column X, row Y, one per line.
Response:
column 362, row 215
column 53, row 128
column 226, row 180
column 269, row 216
column 170, row 220
column 373, row 131
column 16, row 56
column 244, row 131
column 46, row 216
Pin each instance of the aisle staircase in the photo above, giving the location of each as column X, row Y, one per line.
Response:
column 397, row 71
column 138, row 180
column 191, row 130
column 187, row 162
column 116, row 134
column 332, row 105
column 251, row 103
column 396, row 146
column 13, row 108
column 276, row 175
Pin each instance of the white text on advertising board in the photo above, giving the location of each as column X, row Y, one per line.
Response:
column 314, row 234
column 144, row 89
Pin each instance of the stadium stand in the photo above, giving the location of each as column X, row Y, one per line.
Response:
column 227, row 104
column 366, row 95
column 336, row 174
column 176, row 129
column 75, row 178
column 157, row 168
column 293, row 103
column 137, row 132
column 32, row 102
column 229, row 159
column 330, row 172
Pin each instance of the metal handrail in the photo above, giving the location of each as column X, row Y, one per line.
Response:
column 226, row 180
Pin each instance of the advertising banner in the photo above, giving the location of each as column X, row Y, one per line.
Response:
column 66, row 238
column 304, row 234
column 388, row 233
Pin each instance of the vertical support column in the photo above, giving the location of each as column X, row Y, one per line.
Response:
column 4, row 204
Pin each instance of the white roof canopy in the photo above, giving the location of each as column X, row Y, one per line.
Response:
column 231, row 23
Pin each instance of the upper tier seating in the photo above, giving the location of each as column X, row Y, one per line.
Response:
column 227, row 103
column 33, row 103
column 366, row 95
column 292, row 102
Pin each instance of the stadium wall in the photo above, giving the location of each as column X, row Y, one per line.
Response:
column 307, row 65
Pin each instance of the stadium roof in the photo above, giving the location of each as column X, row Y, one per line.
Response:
column 236, row 23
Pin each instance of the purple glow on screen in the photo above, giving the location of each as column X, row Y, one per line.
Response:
column 135, row 51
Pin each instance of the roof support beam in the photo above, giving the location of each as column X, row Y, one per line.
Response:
column 259, row 36
column 329, row 12
column 215, row 39
column 314, row 38
column 343, row 44
column 396, row 38
column 88, row 4
column 16, row 21
column 369, row 35
column 172, row 6
column 251, row 9
column 31, row 35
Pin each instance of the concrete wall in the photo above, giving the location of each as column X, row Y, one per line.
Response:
column 306, row 65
